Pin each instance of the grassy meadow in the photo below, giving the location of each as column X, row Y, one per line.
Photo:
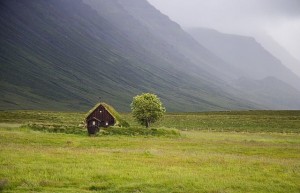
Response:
column 215, row 152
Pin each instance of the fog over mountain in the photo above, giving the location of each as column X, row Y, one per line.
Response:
column 276, row 19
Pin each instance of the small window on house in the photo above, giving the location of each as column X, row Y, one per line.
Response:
column 100, row 111
column 94, row 122
column 106, row 123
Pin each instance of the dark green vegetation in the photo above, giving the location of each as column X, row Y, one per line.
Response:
column 32, row 160
column 138, row 131
column 63, row 55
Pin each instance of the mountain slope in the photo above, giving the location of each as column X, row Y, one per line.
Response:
column 263, row 78
column 246, row 54
column 47, row 55
column 282, row 54
column 271, row 92
column 174, row 35
column 135, row 19
column 63, row 55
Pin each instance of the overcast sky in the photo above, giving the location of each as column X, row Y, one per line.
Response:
column 280, row 19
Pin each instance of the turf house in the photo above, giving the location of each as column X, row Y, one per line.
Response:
column 103, row 115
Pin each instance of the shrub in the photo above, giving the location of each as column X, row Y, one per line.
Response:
column 57, row 129
column 139, row 131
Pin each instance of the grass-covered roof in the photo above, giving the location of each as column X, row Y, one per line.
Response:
column 119, row 120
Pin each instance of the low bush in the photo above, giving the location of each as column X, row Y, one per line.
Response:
column 140, row 131
column 57, row 129
column 126, row 131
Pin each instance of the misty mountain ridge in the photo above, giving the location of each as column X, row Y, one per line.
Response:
column 246, row 54
column 277, row 50
column 63, row 55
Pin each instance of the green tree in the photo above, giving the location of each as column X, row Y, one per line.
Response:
column 147, row 108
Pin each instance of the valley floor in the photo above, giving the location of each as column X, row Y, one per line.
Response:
column 197, row 161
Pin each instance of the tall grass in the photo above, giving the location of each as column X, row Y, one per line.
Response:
column 264, row 159
column 243, row 121
column 239, row 121
column 33, row 161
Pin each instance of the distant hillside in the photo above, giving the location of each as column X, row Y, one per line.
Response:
column 246, row 54
column 262, row 77
column 271, row 92
column 64, row 55
column 277, row 50
column 55, row 56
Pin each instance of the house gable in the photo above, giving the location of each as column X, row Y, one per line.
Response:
column 100, row 117
column 106, row 115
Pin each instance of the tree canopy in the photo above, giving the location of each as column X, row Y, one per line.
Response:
column 147, row 108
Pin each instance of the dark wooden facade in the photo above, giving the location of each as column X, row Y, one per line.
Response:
column 99, row 117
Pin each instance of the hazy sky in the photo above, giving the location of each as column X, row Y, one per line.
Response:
column 280, row 19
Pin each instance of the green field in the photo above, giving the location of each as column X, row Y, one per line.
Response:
column 216, row 152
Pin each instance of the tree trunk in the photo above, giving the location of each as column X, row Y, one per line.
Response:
column 147, row 124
